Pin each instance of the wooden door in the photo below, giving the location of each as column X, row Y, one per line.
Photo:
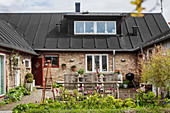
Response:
column 38, row 70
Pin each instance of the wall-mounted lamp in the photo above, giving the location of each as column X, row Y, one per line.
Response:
column 23, row 61
column 123, row 60
column 71, row 60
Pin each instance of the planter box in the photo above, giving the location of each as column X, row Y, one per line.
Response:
column 29, row 86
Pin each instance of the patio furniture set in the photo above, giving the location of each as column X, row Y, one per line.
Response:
column 108, row 84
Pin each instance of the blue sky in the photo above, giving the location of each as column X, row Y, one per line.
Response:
column 86, row 5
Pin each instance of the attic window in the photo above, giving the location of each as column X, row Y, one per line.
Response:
column 95, row 27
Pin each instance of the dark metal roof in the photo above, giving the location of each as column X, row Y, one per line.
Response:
column 9, row 38
column 53, row 31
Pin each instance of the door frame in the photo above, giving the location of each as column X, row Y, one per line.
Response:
column 4, row 55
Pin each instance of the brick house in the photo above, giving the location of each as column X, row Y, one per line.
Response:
column 13, row 46
column 110, row 41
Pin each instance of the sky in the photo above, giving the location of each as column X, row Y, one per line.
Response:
column 27, row 6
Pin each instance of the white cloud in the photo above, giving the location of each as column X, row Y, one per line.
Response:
column 86, row 5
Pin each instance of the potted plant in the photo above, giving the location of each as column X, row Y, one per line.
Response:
column 125, row 83
column 117, row 71
column 29, row 81
column 81, row 72
column 73, row 68
column 63, row 66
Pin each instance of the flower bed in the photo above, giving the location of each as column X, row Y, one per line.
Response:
column 93, row 102
column 15, row 94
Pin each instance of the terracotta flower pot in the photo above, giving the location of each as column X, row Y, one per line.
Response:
column 63, row 67
column 73, row 69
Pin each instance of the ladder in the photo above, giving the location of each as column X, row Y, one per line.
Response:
column 44, row 85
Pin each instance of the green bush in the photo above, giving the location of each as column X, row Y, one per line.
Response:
column 29, row 75
column 130, row 104
column 118, row 103
column 73, row 66
column 55, row 85
column 126, row 82
column 15, row 94
column 63, row 64
column 81, row 71
column 30, row 80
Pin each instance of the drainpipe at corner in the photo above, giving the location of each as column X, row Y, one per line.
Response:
column 113, row 60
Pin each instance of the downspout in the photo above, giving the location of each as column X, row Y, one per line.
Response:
column 113, row 60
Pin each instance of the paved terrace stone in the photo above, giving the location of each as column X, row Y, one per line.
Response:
column 35, row 97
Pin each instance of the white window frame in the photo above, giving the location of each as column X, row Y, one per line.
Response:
column 29, row 63
column 100, row 63
column 1, row 54
column 95, row 28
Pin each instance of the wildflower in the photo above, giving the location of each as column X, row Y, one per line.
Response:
column 102, row 95
column 50, row 98
column 125, row 94
column 6, row 98
column 91, row 92
column 98, row 87
column 74, row 108
column 87, row 91
column 168, row 101
column 45, row 107
column 56, row 90
column 111, row 88
column 87, row 97
column 134, row 89
column 73, row 95
column 61, row 92
column 65, row 95
column 71, row 108
column 77, row 96
column 164, row 103
column 81, row 88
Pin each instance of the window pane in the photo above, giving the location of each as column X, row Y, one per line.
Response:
column 100, row 27
column 111, row 27
column 89, row 27
column 27, row 63
column 97, row 62
column 89, row 63
column 104, row 63
column 79, row 27
column 54, row 61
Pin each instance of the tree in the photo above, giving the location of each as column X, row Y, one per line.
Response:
column 156, row 69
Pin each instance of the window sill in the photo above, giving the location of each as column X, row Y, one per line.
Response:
column 52, row 66
column 28, row 68
column 3, row 95
column 17, row 68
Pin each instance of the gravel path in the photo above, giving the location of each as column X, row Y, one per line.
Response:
column 35, row 97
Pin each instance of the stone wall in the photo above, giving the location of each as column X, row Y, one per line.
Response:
column 11, row 71
column 79, row 60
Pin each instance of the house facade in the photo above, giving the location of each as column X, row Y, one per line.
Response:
column 103, row 41
column 15, row 58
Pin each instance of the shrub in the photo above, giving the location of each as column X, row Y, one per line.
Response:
column 73, row 66
column 30, row 80
column 63, row 64
column 29, row 75
column 81, row 71
column 55, row 85
column 15, row 94
column 118, row 103
column 126, row 82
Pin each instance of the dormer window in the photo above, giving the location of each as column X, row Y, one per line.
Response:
column 95, row 27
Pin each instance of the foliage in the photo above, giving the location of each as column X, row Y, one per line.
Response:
column 129, row 102
column 126, row 82
column 34, row 88
column 29, row 75
column 14, row 59
column 81, row 71
column 73, row 66
column 155, row 70
column 139, row 8
column 117, row 71
column 15, row 94
column 63, row 64
column 55, row 85
column 30, row 80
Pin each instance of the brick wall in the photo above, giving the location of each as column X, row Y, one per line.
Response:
column 79, row 60
column 11, row 72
